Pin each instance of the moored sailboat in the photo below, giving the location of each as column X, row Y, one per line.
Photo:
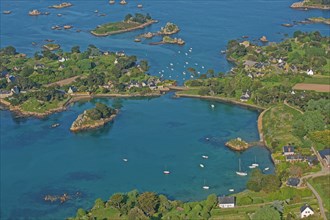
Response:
column 239, row 172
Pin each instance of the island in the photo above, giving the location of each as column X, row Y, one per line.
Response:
column 94, row 118
column 169, row 40
column 237, row 144
column 62, row 5
column 169, row 29
column 130, row 23
column 312, row 4
column 52, row 47
column 319, row 20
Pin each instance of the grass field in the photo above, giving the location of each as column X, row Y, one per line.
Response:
column 278, row 126
column 318, row 80
column 116, row 26
column 33, row 105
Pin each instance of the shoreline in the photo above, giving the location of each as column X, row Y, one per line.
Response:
column 97, row 124
column 72, row 99
column 125, row 30
column 222, row 99
column 301, row 5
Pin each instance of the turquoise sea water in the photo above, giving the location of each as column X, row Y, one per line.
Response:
column 153, row 134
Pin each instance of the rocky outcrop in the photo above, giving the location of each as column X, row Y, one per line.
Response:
column 237, row 144
column 83, row 122
column 305, row 5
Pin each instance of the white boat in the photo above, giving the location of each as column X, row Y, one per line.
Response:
column 125, row 160
column 205, row 156
column 255, row 162
column 166, row 172
column 252, row 166
column 267, row 168
column 231, row 190
column 201, row 165
column 239, row 172
column 205, row 186
column 212, row 106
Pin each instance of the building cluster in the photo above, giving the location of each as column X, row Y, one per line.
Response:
column 291, row 156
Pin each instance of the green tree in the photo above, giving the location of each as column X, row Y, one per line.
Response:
column 255, row 181
column 9, row 50
column 136, row 214
column 117, row 200
column 98, row 204
column 80, row 213
column 270, row 183
column 128, row 17
column 75, row 49
column 148, row 202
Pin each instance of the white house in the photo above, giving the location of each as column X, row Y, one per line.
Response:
column 306, row 211
column 310, row 72
column 226, row 201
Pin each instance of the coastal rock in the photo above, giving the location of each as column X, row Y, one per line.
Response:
column 304, row 5
column 263, row 39
column 52, row 47
column 169, row 29
column 34, row 12
column 62, row 5
column 237, row 144
column 83, row 122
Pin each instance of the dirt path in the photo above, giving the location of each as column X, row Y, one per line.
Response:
column 64, row 81
column 290, row 106
column 261, row 134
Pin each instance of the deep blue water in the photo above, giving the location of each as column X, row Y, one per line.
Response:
column 153, row 134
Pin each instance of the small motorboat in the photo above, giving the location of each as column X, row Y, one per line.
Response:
column 205, row 156
column 125, row 159
column 166, row 172
column 252, row 167
column 6, row 12
column 267, row 168
column 212, row 106
column 139, row 6
column 231, row 190
column 55, row 125
column 206, row 187
column 201, row 165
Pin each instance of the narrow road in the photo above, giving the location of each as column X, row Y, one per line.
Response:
column 324, row 171
column 319, row 201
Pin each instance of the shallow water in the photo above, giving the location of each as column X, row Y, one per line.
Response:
column 153, row 134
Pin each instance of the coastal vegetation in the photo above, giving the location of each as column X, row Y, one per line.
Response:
column 319, row 20
column 280, row 203
column 147, row 205
column 49, row 79
column 130, row 23
column 317, row 4
column 94, row 118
